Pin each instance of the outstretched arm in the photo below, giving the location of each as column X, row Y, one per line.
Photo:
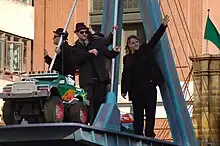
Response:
column 112, row 53
column 159, row 33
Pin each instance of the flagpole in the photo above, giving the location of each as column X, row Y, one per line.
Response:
column 207, row 42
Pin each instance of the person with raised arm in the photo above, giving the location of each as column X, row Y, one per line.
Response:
column 141, row 74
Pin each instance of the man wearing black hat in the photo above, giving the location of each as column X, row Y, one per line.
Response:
column 63, row 62
column 93, row 76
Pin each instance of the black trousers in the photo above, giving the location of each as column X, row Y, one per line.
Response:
column 144, row 99
column 96, row 93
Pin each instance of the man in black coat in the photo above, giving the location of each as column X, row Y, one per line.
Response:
column 141, row 74
column 63, row 62
column 93, row 76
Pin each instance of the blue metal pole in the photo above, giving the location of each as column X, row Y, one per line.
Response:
column 114, row 43
column 109, row 19
column 118, row 43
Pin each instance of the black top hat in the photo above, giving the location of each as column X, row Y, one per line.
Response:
column 80, row 26
column 59, row 31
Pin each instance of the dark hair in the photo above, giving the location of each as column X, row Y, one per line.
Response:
column 127, row 49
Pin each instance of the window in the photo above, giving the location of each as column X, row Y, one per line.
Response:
column 14, row 55
column 13, row 52
column 130, row 4
column 97, row 5
column 2, row 44
column 27, row 2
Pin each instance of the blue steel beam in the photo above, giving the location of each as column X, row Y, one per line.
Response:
column 107, row 17
column 71, row 134
column 174, row 103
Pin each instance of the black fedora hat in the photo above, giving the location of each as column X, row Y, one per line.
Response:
column 59, row 31
column 80, row 26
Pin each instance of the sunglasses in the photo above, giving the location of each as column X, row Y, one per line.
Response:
column 83, row 32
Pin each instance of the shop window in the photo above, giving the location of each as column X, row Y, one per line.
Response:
column 14, row 53
column 97, row 5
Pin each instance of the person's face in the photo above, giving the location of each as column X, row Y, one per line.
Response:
column 134, row 44
column 82, row 34
column 56, row 39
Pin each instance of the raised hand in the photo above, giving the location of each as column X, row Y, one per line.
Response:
column 123, row 95
column 166, row 19
column 117, row 49
column 45, row 52
column 116, row 27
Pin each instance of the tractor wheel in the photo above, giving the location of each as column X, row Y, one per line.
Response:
column 9, row 113
column 78, row 113
column 54, row 110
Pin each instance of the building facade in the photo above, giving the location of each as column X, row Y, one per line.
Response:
column 24, row 34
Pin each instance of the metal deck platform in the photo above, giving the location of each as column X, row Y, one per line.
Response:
column 71, row 134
